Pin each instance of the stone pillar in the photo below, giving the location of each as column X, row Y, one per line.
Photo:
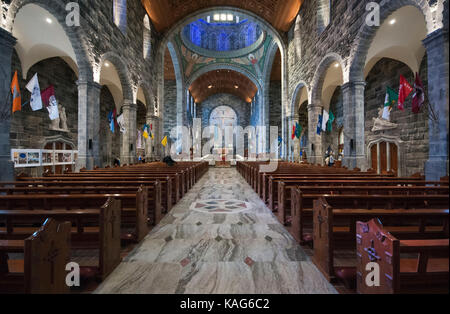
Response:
column 315, row 156
column 150, row 153
column 438, row 87
column 128, row 147
column 88, row 125
column 295, row 157
column 354, row 136
column 7, row 42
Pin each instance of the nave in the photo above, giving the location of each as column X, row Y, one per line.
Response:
column 220, row 239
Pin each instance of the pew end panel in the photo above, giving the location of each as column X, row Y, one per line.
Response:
column 110, row 222
column 323, row 229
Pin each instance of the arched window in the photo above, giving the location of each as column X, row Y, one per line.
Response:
column 323, row 14
column 298, row 38
column 147, row 42
column 120, row 14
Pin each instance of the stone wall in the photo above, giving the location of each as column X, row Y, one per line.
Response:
column 96, row 37
column 275, row 114
column 30, row 129
column 170, row 106
column 331, row 139
column 109, row 142
column 242, row 109
column 413, row 129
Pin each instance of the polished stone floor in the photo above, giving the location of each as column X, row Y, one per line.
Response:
column 221, row 239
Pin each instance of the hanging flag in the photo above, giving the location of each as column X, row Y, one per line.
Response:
column 121, row 124
column 35, row 90
column 49, row 99
column 389, row 103
column 330, row 122
column 404, row 91
column 146, row 131
column 298, row 130
column 293, row 131
column 46, row 94
column 419, row 95
column 111, row 121
column 15, row 91
column 319, row 125
column 280, row 140
column 164, row 141
column 325, row 118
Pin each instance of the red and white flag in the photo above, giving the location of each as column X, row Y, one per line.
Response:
column 49, row 99
column 419, row 95
column 404, row 91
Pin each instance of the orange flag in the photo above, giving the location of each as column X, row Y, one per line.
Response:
column 15, row 91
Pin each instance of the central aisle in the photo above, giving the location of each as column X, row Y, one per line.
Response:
column 220, row 238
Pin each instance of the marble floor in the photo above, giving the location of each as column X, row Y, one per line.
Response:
column 219, row 239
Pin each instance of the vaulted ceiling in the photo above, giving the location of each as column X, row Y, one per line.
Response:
column 223, row 81
column 165, row 13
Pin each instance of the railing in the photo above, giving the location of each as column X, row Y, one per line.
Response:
column 25, row 158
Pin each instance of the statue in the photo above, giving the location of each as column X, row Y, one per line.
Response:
column 60, row 124
column 381, row 124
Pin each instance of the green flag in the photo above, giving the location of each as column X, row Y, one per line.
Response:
column 330, row 122
column 298, row 130
column 389, row 103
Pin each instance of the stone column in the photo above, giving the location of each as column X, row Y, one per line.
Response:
column 7, row 42
column 88, row 125
column 294, row 142
column 438, row 87
column 354, row 137
column 315, row 155
column 153, row 143
column 128, row 147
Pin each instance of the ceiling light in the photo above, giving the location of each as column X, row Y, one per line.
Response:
column 49, row 20
column 336, row 65
column 210, row 86
column 236, row 86
column 107, row 64
column 393, row 21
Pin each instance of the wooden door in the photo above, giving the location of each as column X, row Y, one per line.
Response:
column 383, row 157
column 374, row 153
column 394, row 158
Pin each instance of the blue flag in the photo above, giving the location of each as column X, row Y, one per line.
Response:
column 111, row 121
column 319, row 125
column 280, row 140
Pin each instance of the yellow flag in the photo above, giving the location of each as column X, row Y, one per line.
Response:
column 164, row 141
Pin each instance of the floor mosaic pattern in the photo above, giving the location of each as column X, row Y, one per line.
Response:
column 221, row 239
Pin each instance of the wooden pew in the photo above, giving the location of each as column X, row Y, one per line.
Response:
column 46, row 254
column 167, row 199
column 424, row 269
column 302, row 211
column 336, row 229
column 106, row 236
column 287, row 182
column 153, row 200
column 352, row 187
column 134, row 208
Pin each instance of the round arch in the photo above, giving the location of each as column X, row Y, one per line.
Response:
column 122, row 71
column 222, row 66
column 367, row 33
column 76, row 36
column 319, row 76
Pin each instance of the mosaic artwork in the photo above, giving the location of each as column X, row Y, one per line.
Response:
column 221, row 206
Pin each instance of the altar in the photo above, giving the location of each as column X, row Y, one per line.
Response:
column 223, row 162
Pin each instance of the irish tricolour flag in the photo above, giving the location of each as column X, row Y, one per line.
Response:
column 389, row 103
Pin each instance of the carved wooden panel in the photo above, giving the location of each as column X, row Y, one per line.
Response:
column 47, row 252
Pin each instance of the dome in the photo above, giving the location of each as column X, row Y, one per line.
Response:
column 220, row 34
